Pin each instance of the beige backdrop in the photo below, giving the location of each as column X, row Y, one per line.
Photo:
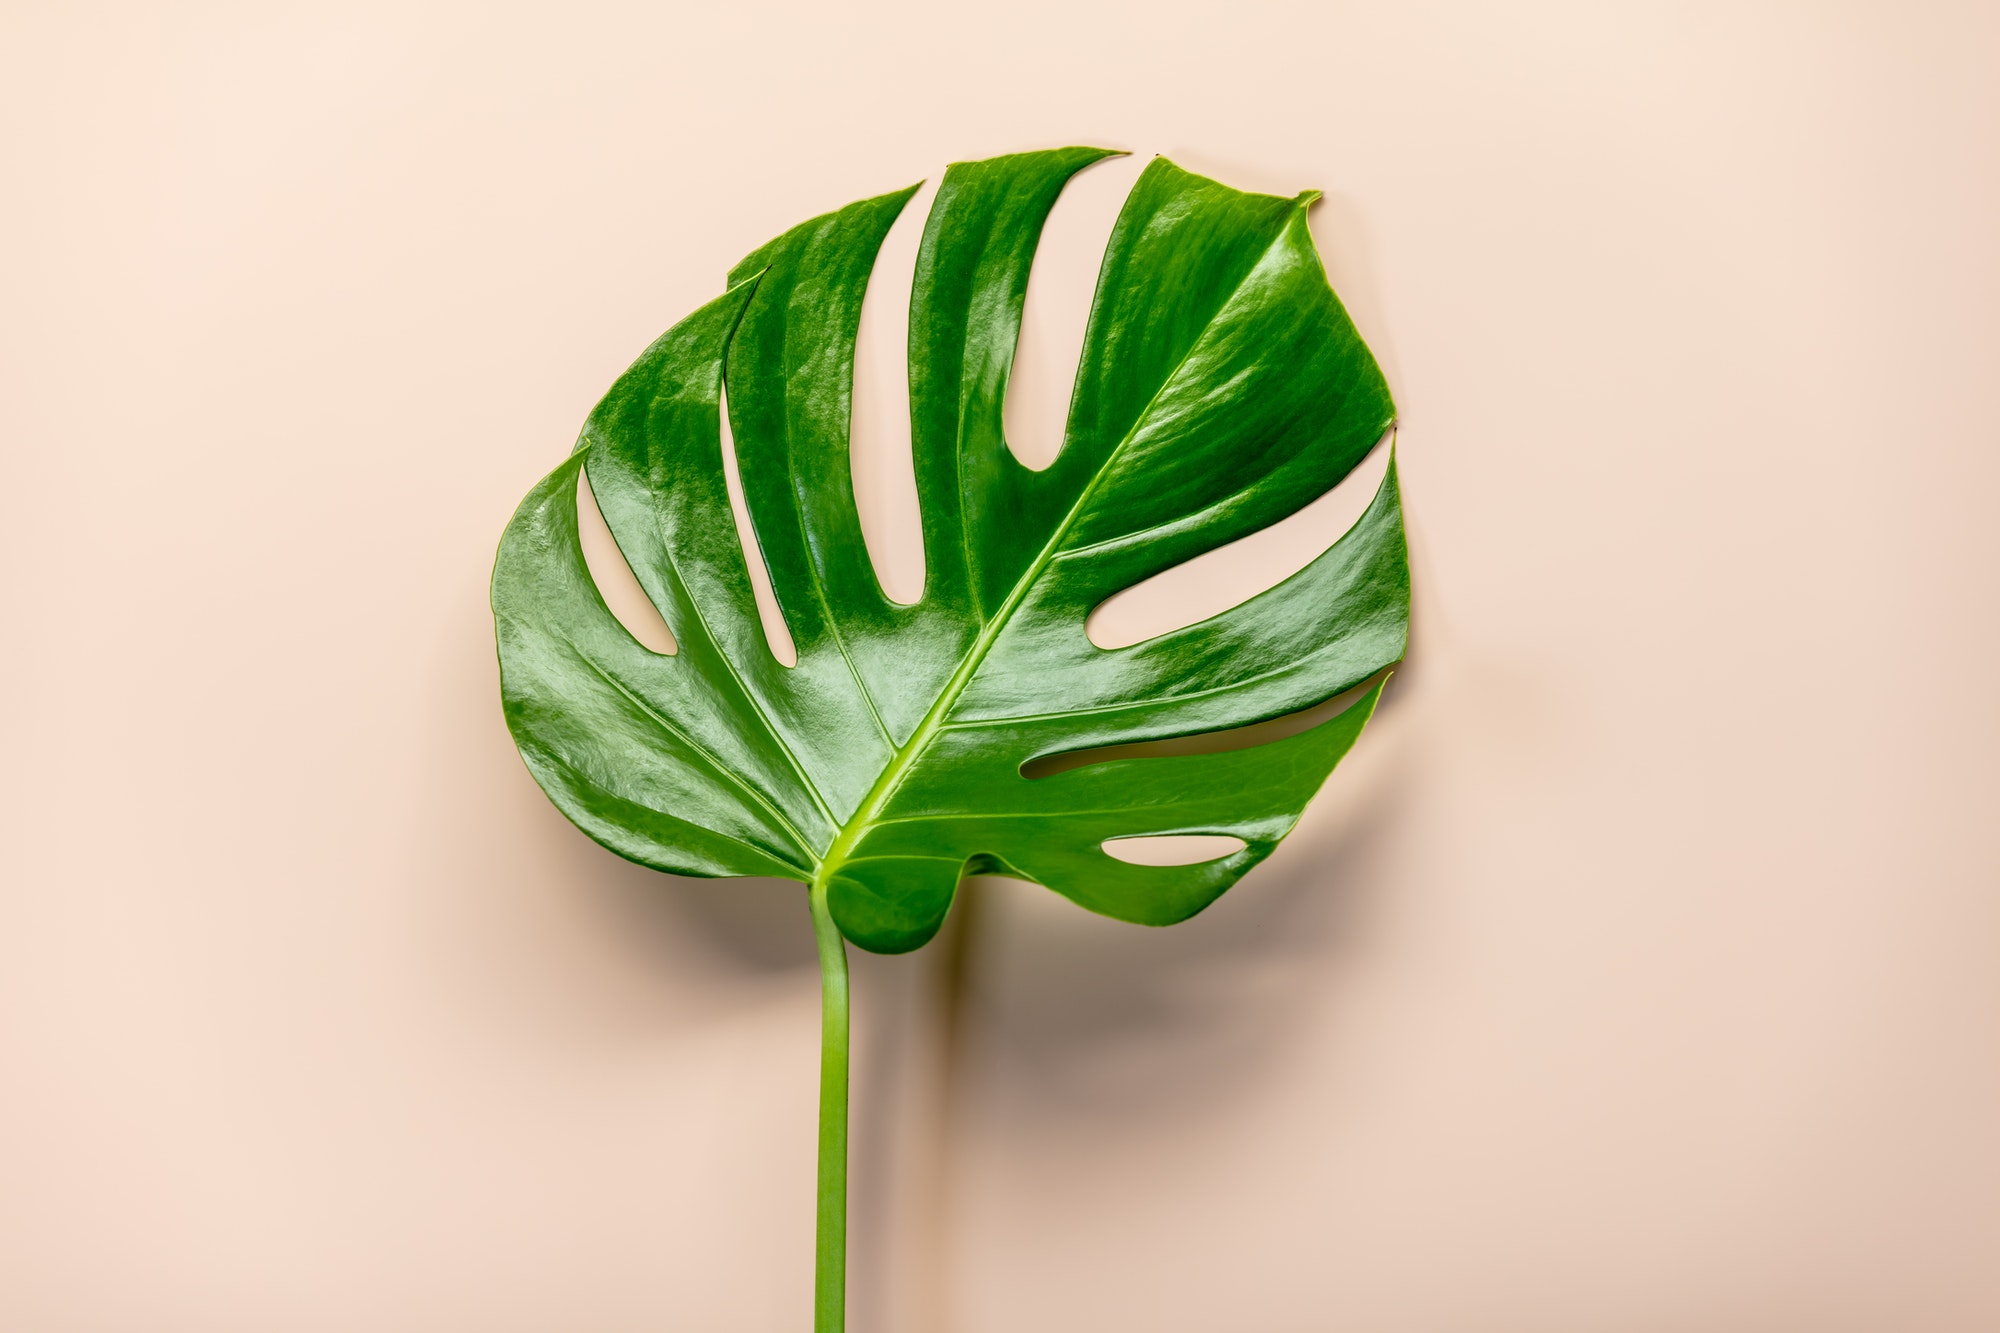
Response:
column 1636, row 975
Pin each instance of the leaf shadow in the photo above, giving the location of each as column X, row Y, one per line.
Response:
column 758, row 927
column 545, row 932
column 1076, row 1018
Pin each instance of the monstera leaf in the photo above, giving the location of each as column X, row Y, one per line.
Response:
column 1221, row 387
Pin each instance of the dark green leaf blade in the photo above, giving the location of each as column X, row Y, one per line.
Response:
column 985, row 515
column 1221, row 388
column 969, row 801
column 612, row 740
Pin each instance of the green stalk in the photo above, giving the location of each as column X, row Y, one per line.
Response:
column 830, row 1241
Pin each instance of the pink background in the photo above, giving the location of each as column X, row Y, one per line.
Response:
column 1637, row 973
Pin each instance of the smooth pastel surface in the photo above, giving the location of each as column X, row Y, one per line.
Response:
column 1637, row 970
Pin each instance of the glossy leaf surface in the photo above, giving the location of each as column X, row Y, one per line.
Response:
column 1221, row 388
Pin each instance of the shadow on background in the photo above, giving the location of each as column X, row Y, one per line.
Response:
column 543, row 930
column 1074, row 1016
column 756, row 927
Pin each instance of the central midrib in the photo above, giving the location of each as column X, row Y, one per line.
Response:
column 908, row 753
column 911, row 750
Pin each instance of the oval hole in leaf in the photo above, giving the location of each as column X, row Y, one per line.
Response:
column 879, row 461
column 1230, row 575
column 777, row 635
column 1056, row 314
column 1173, row 849
column 616, row 583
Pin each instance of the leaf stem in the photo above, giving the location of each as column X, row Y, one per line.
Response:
column 830, row 1240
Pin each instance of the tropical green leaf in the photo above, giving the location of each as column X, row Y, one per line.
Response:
column 1221, row 388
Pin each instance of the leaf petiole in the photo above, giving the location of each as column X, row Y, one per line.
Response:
column 830, row 1241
